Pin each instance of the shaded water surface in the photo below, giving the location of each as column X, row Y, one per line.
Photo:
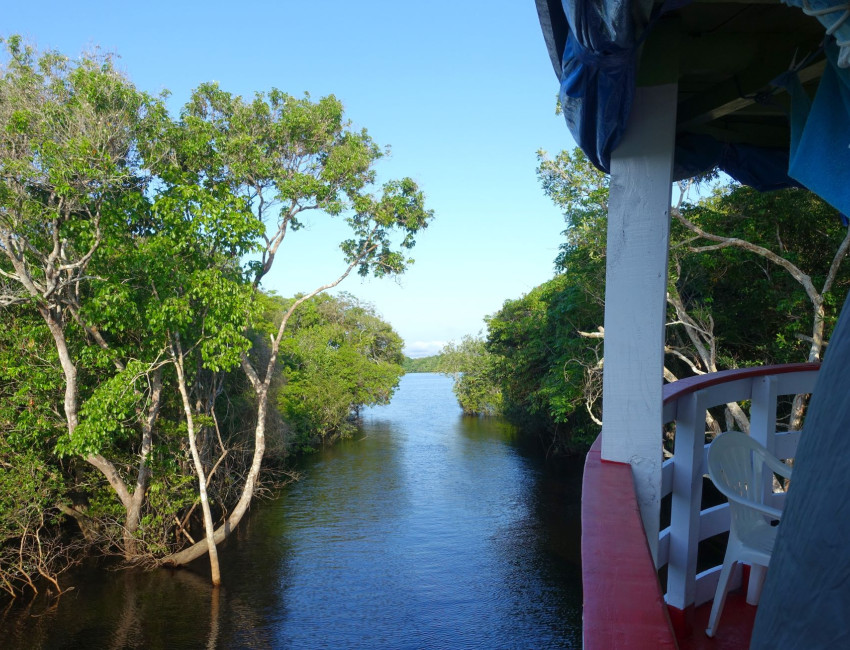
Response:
column 429, row 530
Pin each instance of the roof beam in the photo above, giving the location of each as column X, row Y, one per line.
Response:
column 739, row 90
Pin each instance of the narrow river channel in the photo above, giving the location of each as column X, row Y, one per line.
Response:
column 427, row 530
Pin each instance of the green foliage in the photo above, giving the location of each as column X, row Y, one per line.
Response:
column 581, row 192
column 338, row 357
column 777, row 321
column 423, row 364
column 170, row 494
column 30, row 486
column 285, row 155
column 541, row 360
column 130, row 239
column 471, row 365
column 109, row 413
column 28, row 381
column 548, row 347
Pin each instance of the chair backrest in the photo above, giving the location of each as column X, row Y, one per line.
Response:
column 736, row 466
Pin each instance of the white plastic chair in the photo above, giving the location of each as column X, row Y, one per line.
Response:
column 735, row 465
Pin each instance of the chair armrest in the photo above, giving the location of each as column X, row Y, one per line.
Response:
column 777, row 465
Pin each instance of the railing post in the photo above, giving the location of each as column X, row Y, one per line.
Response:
column 763, row 411
column 763, row 430
column 686, row 501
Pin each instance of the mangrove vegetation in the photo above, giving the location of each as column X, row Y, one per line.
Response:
column 147, row 380
column 754, row 278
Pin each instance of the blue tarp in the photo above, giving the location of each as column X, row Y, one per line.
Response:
column 820, row 133
column 594, row 44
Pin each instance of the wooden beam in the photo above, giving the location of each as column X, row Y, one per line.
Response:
column 739, row 90
column 659, row 58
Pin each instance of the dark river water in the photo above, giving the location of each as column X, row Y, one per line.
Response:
column 428, row 530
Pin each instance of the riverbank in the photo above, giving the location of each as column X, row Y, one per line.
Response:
column 427, row 529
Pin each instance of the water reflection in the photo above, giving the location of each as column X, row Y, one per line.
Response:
column 430, row 530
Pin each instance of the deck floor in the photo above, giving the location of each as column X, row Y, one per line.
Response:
column 734, row 631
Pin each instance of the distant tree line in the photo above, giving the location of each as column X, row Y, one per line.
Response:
column 422, row 364
column 146, row 378
column 754, row 278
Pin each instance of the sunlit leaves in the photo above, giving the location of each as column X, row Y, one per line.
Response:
column 340, row 355
column 475, row 384
column 110, row 412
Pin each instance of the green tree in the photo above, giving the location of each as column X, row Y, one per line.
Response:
column 789, row 265
column 287, row 157
column 470, row 364
column 422, row 364
column 756, row 251
column 543, row 362
column 338, row 357
column 71, row 181
column 125, row 231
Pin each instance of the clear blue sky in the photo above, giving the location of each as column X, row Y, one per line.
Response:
column 463, row 92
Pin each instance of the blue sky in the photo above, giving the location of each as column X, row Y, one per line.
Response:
column 462, row 91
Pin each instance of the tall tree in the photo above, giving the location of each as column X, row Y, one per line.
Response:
column 130, row 234
column 288, row 157
column 70, row 182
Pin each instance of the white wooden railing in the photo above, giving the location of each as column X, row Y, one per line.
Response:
column 685, row 403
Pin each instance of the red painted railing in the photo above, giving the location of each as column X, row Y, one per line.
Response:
column 623, row 603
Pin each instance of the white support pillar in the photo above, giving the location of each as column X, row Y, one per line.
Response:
column 635, row 295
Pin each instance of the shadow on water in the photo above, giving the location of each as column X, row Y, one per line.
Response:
column 428, row 530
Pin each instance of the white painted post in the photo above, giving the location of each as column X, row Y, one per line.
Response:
column 763, row 413
column 686, row 500
column 762, row 429
column 635, row 295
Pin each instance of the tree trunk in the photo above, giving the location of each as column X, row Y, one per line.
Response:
column 54, row 324
column 261, row 388
column 134, row 512
column 209, row 527
column 200, row 548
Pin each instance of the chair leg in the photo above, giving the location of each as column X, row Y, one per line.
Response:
column 757, row 575
column 720, row 596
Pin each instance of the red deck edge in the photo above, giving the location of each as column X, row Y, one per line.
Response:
column 677, row 389
column 623, row 604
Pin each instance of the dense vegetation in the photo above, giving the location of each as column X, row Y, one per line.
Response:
column 339, row 357
column 144, row 373
column 470, row 364
column 422, row 364
column 754, row 278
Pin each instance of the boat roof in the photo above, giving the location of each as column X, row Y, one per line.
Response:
column 737, row 65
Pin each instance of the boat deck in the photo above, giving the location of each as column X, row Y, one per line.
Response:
column 623, row 604
column 734, row 631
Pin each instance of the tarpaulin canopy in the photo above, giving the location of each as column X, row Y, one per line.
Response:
column 729, row 114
